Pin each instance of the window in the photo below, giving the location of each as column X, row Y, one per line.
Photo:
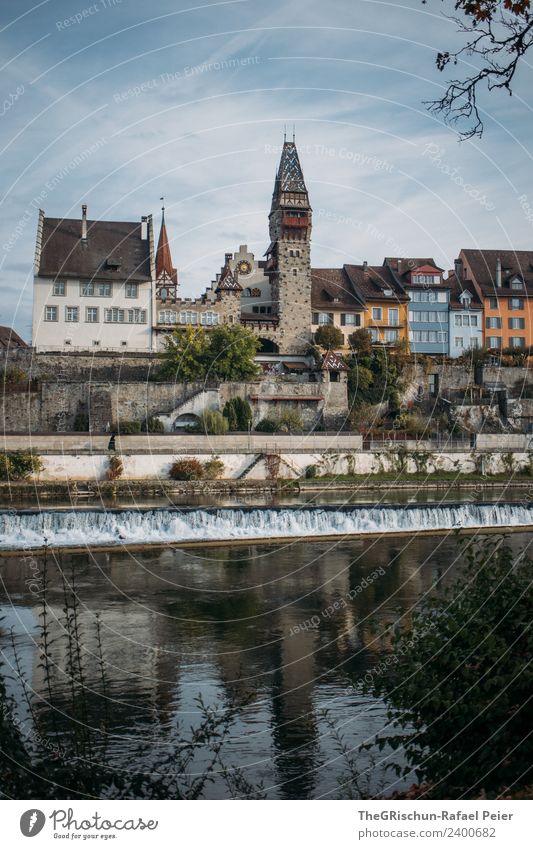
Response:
column 71, row 314
column 517, row 284
column 517, row 342
column 324, row 318
column 473, row 321
column 517, row 324
column 374, row 334
column 351, row 319
column 458, row 321
column 493, row 322
column 466, row 320
column 96, row 343
column 188, row 317
column 168, row 317
column 50, row 313
column 377, row 313
column 427, row 296
column 132, row 290
column 493, row 303
column 294, row 272
column 114, row 315
column 391, row 335
column 124, row 344
column 458, row 341
column 394, row 317
column 209, row 318
column 59, row 287
column 516, row 303
column 247, row 293
column 91, row 314
column 494, row 342
column 426, row 279
column 137, row 316
column 101, row 290
column 429, row 336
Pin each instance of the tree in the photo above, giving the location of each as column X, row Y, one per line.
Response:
column 328, row 336
column 238, row 413
column 361, row 341
column 231, row 353
column 213, row 422
column 499, row 33
column 459, row 682
column 185, row 354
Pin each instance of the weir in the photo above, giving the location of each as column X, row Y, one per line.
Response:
column 28, row 530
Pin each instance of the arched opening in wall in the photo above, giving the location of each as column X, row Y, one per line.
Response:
column 268, row 347
column 185, row 420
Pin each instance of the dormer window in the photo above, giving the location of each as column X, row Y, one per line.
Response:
column 113, row 264
column 517, row 284
column 387, row 293
column 426, row 279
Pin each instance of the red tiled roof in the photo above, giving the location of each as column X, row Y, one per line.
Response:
column 333, row 289
column 163, row 258
column 457, row 288
column 482, row 264
column 10, row 339
column 371, row 282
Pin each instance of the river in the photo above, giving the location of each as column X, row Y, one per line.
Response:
column 288, row 629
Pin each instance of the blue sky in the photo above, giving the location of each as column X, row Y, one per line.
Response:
column 117, row 103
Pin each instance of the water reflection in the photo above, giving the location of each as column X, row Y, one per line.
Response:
column 282, row 629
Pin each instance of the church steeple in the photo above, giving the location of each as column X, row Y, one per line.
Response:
column 166, row 274
column 289, row 253
column 289, row 186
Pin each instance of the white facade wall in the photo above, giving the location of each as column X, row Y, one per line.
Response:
column 461, row 328
column 64, row 335
column 84, row 467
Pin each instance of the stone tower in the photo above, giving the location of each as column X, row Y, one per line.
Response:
column 289, row 254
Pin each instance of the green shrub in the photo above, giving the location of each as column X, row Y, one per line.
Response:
column 152, row 425
column 310, row 472
column 289, row 421
column 267, row 426
column 214, row 468
column 189, row 469
column 238, row 413
column 459, row 679
column 81, row 422
column 15, row 376
column 125, row 427
column 212, row 422
column 19, row 465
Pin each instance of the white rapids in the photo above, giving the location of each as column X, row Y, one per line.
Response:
column 24, row 530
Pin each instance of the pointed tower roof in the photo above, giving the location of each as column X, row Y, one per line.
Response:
column 228, row 281
column 163, row 258
column 289, row 177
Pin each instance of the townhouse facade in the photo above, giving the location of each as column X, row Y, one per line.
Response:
column 104, row 284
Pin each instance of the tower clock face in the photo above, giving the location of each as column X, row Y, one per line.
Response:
column 244, row 267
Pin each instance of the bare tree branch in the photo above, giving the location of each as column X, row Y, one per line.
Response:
column 499, row 33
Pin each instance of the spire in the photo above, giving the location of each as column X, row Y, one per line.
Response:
column 163, row 258
column 289, row 178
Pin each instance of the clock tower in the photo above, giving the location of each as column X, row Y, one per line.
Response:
column 289, row 254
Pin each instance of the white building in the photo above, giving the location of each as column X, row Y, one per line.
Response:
column 466, row 317
column 93, row 284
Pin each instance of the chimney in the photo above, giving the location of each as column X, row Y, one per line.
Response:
column 227, row 258
column 399, row 266
column 144, row 227
column 84, row 222
column 458, row 264
column 498, row 273
column 365, row 265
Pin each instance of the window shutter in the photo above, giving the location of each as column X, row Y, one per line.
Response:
column 343, row 319
column 315, row 318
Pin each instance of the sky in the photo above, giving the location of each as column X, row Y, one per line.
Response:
column 115, row 103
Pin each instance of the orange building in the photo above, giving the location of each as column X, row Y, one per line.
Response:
column 503, row 281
